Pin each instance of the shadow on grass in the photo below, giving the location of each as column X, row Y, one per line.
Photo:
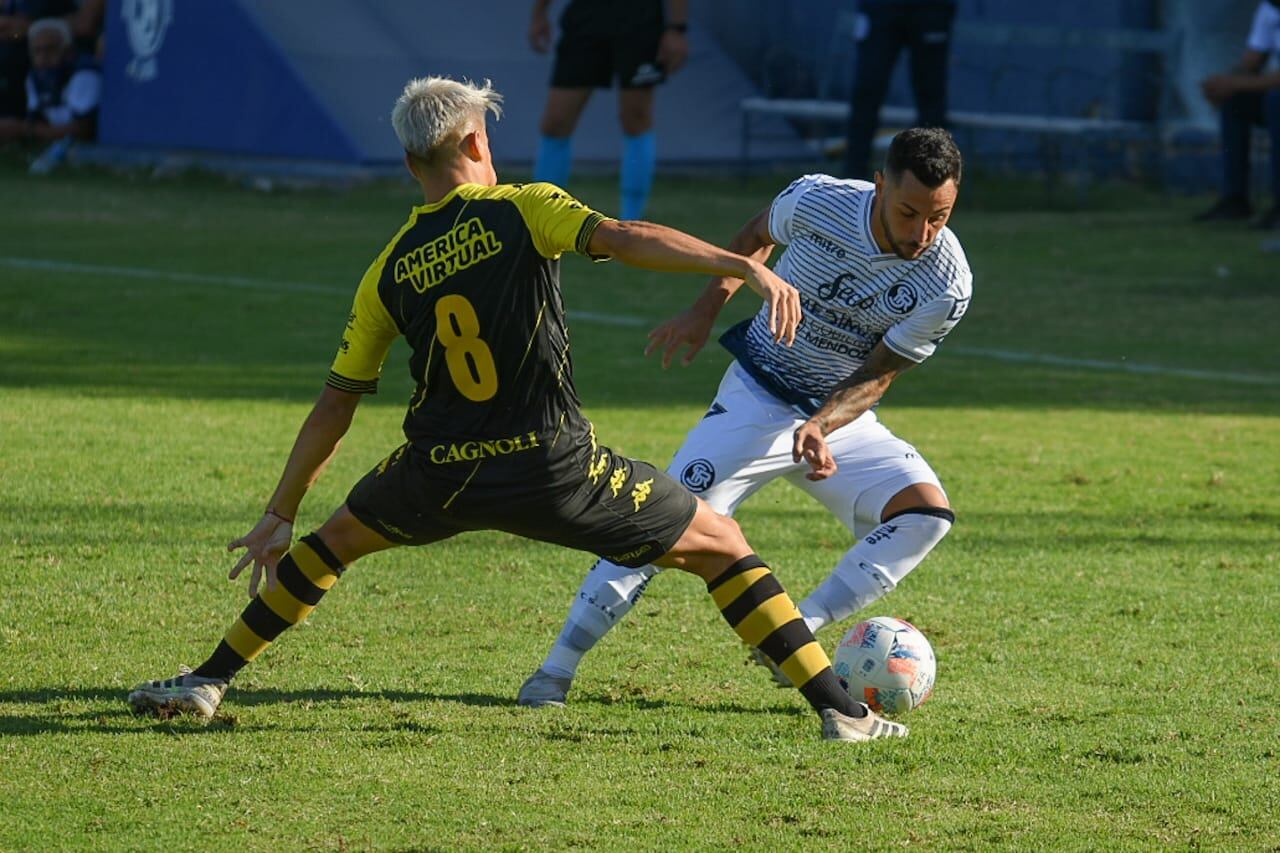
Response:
column 53, row 716
column 121, row 336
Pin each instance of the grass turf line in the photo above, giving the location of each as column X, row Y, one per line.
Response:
column 1104, row 612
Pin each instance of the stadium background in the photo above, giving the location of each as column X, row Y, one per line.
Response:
column 268, row 79
column 1106, row 419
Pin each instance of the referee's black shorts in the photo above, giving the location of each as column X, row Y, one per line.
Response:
column 593, row 58
column 589, row 498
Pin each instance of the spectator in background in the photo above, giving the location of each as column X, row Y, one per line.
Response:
column 882, row 29
column 635, row 42
column 62, row 90
column 86, row 25
column 15, row 17
column 1245, row 96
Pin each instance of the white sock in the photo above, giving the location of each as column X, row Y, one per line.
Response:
column 607, row 593
column 875, row 565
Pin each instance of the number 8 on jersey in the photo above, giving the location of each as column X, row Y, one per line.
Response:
column 469, row 358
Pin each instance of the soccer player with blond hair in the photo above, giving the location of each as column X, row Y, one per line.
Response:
column 495, row 435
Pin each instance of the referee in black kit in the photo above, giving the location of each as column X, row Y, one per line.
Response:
column 635, row 44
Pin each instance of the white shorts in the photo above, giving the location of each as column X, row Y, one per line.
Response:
column 745, row 441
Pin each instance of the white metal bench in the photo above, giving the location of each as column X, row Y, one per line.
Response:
column 1055, row 131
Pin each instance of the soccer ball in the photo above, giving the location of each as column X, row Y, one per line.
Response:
column 886, row 663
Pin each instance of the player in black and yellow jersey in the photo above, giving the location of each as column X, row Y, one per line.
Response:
column 495, row 436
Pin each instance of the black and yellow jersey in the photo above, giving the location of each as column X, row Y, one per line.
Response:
column 473, row 283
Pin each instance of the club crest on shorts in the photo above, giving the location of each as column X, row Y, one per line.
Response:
column 698, row 475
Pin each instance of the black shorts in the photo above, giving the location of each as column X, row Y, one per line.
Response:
column 589, row 59
column 589, row 499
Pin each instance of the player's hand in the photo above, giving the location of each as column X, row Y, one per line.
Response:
column 783, row 301
column 1219, row 87
column 811, row 446
column 264, row 545
column 689, row 329
column 673, row 51
column 540, row 32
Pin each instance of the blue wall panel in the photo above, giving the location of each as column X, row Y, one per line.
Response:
column 211, row 81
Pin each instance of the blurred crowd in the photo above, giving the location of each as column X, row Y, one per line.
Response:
column 50, row 74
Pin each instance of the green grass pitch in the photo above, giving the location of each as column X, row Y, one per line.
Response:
column 1106, row 612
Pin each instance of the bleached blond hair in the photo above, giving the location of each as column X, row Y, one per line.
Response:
column 435, row 112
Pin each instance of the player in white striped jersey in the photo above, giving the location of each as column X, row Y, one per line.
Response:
column 882, row 281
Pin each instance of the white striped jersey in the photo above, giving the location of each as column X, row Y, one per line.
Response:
column 852, row 294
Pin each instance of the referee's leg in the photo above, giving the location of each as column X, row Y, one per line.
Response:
column 555, row 144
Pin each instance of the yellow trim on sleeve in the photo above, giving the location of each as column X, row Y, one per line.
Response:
column 554, row 218
column 370, row 329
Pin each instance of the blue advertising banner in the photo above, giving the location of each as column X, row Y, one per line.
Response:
column 202, row 75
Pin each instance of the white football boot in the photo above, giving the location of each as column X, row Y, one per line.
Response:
column 544, row 690
column 185, row 693
column 837, row 726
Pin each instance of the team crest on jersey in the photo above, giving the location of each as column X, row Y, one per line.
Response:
column 901, row 298
column 698, row 476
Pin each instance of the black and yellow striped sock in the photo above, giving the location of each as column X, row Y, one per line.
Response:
column 757, row 607
column 303, row 576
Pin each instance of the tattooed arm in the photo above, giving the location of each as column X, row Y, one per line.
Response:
column 855, row 395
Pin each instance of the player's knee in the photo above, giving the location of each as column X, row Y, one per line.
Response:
column 555, row 129
column 348, row 538
column 729, row 536
column 556, row 124
column 929, row 524
column 922, row 496
column 635, row 123
column 635, row 126
column 711, row 542
column 332, row 538
column 330, row 533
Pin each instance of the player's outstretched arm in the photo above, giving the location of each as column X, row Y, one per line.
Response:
column 317, row 441
column 691, row 328
column 846, row 403
column 657, row 247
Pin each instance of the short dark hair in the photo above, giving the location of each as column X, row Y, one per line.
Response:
column 929, row 153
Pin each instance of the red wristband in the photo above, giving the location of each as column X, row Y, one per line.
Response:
column 279, row 516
